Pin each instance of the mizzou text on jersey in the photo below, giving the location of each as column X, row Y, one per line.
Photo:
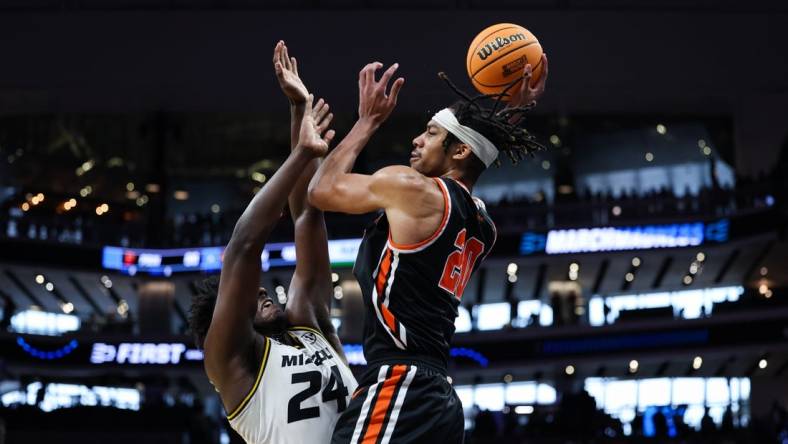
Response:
column 298, row 394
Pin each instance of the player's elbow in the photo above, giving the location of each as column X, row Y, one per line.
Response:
column 315, row 197
column 242, row 246
column 321, row 197
column 249, row 236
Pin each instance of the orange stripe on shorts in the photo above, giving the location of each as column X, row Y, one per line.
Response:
column 382, row 404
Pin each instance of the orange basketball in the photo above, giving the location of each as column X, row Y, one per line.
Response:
column 498, row 55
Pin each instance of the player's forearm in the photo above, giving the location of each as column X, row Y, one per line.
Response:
column 324, row 189
column 297, row 201
column 262, row 214
column 296, row 116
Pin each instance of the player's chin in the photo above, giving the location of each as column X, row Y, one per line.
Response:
column 272, row 323
column 417, row 164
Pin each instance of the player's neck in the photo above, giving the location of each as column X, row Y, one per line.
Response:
column 457, row 175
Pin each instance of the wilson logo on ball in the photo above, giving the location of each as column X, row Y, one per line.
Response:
column 499, row 43
column 498, row 55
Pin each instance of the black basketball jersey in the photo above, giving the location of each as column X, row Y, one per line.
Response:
column 411, row 292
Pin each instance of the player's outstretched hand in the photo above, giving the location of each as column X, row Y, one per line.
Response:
column 374, row 104
column 314, row 136
column 322, row 117
column 527, row 95
column 286, row 69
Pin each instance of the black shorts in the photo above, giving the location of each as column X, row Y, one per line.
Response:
column 402, row 403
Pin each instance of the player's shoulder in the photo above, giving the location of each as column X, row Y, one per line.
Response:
column 402, row 176
column 402, row 186
column 398, row 169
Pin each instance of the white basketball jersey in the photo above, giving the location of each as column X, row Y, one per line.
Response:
column 298, row 394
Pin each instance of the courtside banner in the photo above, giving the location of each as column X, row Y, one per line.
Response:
column 102, row 352
column 80, row 351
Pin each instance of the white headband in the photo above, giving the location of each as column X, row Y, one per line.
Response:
column 480, row 145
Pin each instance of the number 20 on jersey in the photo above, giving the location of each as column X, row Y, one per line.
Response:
column 460, row 263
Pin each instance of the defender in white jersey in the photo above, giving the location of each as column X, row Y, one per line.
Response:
column 310, row 384
column 281, row 374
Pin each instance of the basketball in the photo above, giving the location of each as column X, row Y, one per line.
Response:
column 498, row 55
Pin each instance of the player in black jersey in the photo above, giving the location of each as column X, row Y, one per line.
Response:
column 414, row 263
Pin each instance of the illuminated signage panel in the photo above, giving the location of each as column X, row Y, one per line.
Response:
column 587, row 240
column 644, row 237
column 342, row 252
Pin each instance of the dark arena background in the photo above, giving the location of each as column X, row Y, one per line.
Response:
column 637, row 291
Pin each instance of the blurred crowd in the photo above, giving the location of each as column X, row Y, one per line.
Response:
column 170, row 411
column 515, row 214
column 132, row 227
column 152, row 425
column 576, row 419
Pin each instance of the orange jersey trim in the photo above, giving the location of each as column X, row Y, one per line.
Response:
column 438, row 231
column 383, row 273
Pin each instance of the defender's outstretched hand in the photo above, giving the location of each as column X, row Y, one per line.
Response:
column 527, row 95
column 373, row 102
column 286, row 69
column 322, row 117
column 313, row 136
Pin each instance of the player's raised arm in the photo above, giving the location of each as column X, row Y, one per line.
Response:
column 286, row 69
column 334, row 187
column 231, row 336
column 310, row 291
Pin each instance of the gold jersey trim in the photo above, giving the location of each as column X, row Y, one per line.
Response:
column 252, row 391
column 302, row 327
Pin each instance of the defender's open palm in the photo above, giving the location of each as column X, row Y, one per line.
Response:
column 313, row 136
column 286, row 69
column 373, row 102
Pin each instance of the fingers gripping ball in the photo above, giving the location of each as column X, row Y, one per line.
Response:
column 498, row 55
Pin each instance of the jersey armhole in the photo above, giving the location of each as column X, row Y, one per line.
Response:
column 444, row 221
column 305, row 328
column 238, row 410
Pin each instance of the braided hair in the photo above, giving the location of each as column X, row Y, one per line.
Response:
column 495, row 125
